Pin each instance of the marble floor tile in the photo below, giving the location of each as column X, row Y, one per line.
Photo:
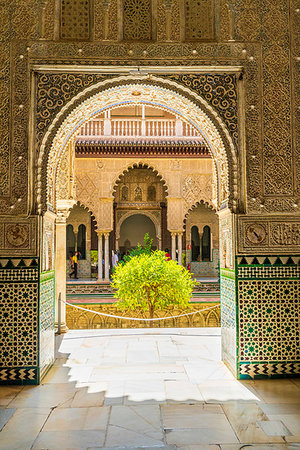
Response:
column 23, row 428
column 72, row 419
column 222, row 391
column 204, row 435
column 45, row 395
column 182, row 391
column 280, row 408
column 114, row 394
column 244, row 419
column 273, row 428
column 143, row 419
column 8, row 393
column 192, row 416
column 88, row 394
column 58, row 374
column 138, row 372
column 5, row 415
column 130, row 439
column 277, row 391
column 69, row 440
column 255, row 447
column 207, row 370
column 200, row 447
column 145, row 391
column 291, row 421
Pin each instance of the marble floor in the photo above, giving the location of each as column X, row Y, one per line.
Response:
column 148, row 389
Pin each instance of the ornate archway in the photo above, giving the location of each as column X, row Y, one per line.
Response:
column 57, row 153
column 165, row 94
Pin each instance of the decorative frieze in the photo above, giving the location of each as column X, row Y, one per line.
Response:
column 18, row 236
column 268, row 234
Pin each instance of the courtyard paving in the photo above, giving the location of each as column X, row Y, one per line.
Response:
column 148, row 389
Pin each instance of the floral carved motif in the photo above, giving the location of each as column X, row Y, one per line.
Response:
column 197, row 188
column 220, row 90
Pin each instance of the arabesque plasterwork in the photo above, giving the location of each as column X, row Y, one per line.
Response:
column 147, row 94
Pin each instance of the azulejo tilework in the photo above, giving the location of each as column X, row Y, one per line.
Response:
column 46, row 321
column 228, row 317
column 269, row 313
column 19, row 323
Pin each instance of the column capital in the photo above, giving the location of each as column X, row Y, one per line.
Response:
column 104, row 231
column 63, row 210
column 61, row 217
column 176, row 232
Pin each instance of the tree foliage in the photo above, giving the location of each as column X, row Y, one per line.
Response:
column 144, row 249
column 148, row 281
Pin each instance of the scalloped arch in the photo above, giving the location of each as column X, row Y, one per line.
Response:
column 146, row 165
column 201, row 202
column 165, row 94
column 86, row 208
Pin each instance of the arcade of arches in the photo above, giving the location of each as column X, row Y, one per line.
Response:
column 184, row 126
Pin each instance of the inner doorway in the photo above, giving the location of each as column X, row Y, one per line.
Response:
column 132, row 232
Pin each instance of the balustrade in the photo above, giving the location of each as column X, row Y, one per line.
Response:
column 135, row 127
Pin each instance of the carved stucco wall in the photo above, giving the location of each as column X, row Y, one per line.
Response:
column 262, row 38
column 225, row 161
column 271, row 87
column 187, row 181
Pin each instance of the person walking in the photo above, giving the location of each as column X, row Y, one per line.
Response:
column 74, row 266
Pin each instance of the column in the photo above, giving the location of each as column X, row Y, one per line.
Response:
column 107, row 124
column 179, row 248
column 173, row 252
column 178, row 128
column 76, row 236
column 106, row 257
column 143, row 124
column 100, row 257
column 60, row 270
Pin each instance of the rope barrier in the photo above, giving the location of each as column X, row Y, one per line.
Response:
column 136, row 318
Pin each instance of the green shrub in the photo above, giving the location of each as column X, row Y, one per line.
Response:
column 147, row 281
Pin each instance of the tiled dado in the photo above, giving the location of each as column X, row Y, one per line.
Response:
column 47, row 321
column 269, row 315
column 228, row 317
column 20, row 330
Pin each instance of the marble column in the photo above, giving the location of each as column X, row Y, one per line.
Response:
column 60, row 270
column 179, row 237
column 173, row 252
column 100, row 256
column 76, row 240
column 106, row 257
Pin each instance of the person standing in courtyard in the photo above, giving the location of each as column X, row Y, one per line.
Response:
column 74, row 266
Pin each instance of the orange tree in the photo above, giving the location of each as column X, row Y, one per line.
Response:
column 149, row 282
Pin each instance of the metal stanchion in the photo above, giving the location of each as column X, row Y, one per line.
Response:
column 59, row 315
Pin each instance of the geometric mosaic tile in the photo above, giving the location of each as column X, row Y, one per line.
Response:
column 228, row 317
column 269, row 316
column 269, row 272
column 23, row 375
column 46, row 321
column 19, row 324
column 268, row 370
column 268, row 260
